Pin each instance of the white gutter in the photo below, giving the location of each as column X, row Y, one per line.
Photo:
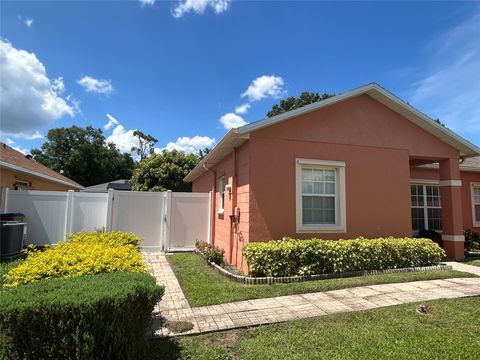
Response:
column 37, row 174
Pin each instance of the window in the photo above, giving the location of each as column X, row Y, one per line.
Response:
column 476, row 204
column 221, row 194
column 426, row 207
column 320, row 196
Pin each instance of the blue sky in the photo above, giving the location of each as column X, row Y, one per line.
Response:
column 178, row 70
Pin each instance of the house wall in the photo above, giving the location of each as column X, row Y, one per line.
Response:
column 376, row 145
column 467, row 178
column 227, row 235
column 8, row 177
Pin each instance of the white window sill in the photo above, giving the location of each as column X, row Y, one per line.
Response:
column 321, row 229
column 220, row 212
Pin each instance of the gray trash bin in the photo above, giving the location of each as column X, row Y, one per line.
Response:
column 12, row 228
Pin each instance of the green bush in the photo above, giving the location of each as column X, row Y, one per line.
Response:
column 83, row 253
column 103, row 316
column 472, row 240
column 289, row 257
column 211, row 253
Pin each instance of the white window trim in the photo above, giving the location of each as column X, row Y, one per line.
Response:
column 341, row 202
column 221, row 191
column 424, row 184
column 472, row 186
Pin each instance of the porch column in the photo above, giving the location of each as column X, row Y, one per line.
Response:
column 450, row 190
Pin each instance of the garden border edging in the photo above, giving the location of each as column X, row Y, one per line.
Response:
column 250, row 280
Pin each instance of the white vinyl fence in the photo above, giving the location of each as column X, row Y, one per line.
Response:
column 164, row 220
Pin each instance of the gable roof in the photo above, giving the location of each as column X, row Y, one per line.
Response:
column 235, row 137
column 16, row 161
column 122, row 184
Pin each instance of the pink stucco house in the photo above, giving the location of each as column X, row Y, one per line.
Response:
column 362, row 163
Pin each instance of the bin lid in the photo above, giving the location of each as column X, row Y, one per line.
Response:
column 8, row 216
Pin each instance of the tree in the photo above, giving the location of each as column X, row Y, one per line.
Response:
column 292, row 102
column 164, row 171
column 83, row 155
column 146, row 144
column 203, row 152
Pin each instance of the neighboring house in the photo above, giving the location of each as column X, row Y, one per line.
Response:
column 121, row 184
column 362, row 163
column 21, row 172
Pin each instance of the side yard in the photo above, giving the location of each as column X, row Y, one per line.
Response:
column 203, row 286
column 449, row 331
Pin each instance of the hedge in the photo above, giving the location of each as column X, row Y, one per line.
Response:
column 83, row 253
column 290, row 257
column 103, row 316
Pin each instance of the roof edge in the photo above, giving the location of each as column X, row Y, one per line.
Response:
column 40, row 175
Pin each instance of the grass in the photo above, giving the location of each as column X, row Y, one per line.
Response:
column 6, row 265
column 203, row 286
column 473, row 262
column 451, row 331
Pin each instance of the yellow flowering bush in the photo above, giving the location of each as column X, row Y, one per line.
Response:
column 82, row 254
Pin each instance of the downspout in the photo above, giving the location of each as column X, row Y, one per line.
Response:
column 214, row 196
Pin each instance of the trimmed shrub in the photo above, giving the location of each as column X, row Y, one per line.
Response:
column 211, row 253
column 102, row 316
column 82, row 254
column 289, row 257
column 472, row 240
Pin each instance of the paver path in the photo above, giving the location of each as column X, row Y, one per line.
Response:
column 174, row 306
column 465, row 267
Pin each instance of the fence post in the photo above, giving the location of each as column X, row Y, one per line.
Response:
column 209, row 227
column 3, row 204
column 168, row 207
column 110, row 199
column 68, row 213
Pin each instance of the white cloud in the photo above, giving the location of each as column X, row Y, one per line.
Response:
column 111, row 122
column 199, row 7
column 189, row 144
column 242, row 109
column 147, row 2
column 29, row 22
column 29, row 100
column 265, row 86
column 450, row 87
column 123, row 139
column 58, row 85
column 231, row 120
column 99, row 86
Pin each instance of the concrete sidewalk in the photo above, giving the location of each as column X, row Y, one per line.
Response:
column 175, row 307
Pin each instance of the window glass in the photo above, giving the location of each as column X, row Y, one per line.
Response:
column 318, row 196
column 426, row 207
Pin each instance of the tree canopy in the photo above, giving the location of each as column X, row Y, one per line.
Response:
column 83, row 155
column 164, row 171
column 292, row 102
column 145, row 146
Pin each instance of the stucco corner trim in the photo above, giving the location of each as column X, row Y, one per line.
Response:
column 459, row 238
column 451, row 183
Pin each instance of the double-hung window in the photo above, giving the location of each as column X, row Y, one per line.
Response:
column 476, row 204
column 320, row 196
column 426, row 207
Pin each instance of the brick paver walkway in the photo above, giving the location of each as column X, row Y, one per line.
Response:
column 174, row 306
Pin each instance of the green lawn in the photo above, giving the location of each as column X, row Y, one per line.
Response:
column 473, row 262
column 451, row 331
column 203, row 286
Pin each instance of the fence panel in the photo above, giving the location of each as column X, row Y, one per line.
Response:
column 189, row 220
column 88, row 212
column 45, row 214
column 141, row 213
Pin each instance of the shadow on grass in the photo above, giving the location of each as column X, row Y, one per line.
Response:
column 163, row 348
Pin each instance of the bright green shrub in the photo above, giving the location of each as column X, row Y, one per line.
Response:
column 289, row 257
column 82, row 254
column 104, row 316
